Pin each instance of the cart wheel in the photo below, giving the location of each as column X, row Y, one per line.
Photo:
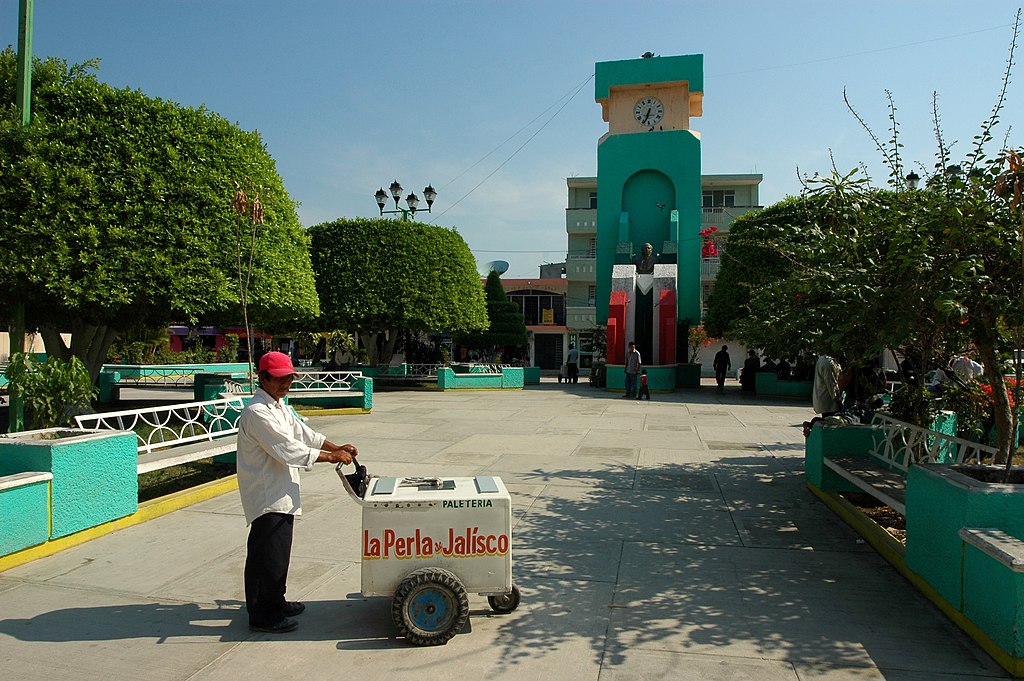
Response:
column 505, row 603
column 430, row 606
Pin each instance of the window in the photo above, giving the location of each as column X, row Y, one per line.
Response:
column 592, row 252
column 534, row 304
column 719, row 197
column 592, row 295
column 593, row 200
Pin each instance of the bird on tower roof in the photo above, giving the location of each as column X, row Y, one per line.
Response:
column 646, row 55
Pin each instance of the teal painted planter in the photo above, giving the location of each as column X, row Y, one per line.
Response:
column 994, row 590
column 767, row 384
column 94, row 473
column 688, row 375
column 942, row 501
column 801, row 390
column 661, row 378
column 209, row 386
column 107, row 386
column 531, row 375
column 25, row 510
column 510, row 378
column 834, row 441
column 137, row 371
column 615, row 378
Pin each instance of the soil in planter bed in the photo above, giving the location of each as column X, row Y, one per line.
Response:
column 166, row 481
column 992, row 473
column 886, row 518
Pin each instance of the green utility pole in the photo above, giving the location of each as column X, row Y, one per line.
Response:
column 16, row 330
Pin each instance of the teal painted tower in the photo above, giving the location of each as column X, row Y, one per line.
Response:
column 649, row 191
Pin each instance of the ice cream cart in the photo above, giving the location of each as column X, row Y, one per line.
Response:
column 430, row 542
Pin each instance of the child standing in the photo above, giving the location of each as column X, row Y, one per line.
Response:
column 643, row 386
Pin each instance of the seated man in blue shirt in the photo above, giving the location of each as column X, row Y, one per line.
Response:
column 273, row 443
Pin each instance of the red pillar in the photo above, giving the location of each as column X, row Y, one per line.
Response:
column 667, row 327
column 617, row 328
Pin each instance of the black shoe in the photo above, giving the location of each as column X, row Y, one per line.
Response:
column 281, row 627
column 293, row 608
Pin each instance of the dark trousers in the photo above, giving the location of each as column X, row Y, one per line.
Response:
column 572, row 373
column 269, row 551
column 631, row 381
column 720, row 378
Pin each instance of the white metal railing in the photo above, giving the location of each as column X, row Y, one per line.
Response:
column 306, row 381
column 235, row 388
column 903, row 444
column 329, row 381
column 422, row 370
column 159, row 427
column 709, row 268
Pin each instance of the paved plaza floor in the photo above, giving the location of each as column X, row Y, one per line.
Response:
column 670, row 539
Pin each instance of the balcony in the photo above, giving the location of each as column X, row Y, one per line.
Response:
column 581, row 220
column 723, row 216
column 581, row 266
column 709, row 268
column 582, row 317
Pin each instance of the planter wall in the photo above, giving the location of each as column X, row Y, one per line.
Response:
column 835, row 441
column 688, row 375
column 95, row 478
column 767, row 384
column 531, row 375
column 510, row 378
column 942, row 501
column 25, row 510
column 994, row 589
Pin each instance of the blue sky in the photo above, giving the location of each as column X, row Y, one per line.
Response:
column 477, row 98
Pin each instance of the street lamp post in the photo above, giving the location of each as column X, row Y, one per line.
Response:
column 412, row 201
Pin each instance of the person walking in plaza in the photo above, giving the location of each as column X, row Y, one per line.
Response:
column 721, row 365
column 644, row 391
column 273, row 443
column 572, row 365
column 632, row 369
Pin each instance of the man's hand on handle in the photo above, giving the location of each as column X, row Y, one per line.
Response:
column 332, row 453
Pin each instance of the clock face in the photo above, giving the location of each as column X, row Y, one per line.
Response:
column 648, row 111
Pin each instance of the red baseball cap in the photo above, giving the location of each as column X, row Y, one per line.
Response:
column 277, row 364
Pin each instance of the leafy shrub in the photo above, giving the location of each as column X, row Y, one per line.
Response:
column 54, row 391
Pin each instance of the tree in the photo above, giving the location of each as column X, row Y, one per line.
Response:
column 115, row 211
column 380, row 277
column 507, row 330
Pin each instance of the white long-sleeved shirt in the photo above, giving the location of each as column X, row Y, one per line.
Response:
column 273, row 443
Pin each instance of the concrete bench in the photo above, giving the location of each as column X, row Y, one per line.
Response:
column 897, row 445
column 176, row 434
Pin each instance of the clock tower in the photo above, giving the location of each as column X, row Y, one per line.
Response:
column 649, row 192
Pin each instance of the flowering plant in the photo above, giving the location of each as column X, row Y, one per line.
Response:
column 974, row 405
column 698, row 339
column 708, row 246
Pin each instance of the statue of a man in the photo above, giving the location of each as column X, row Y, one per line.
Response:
column 645, row 263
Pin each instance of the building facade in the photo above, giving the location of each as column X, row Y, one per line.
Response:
column 724, row 198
